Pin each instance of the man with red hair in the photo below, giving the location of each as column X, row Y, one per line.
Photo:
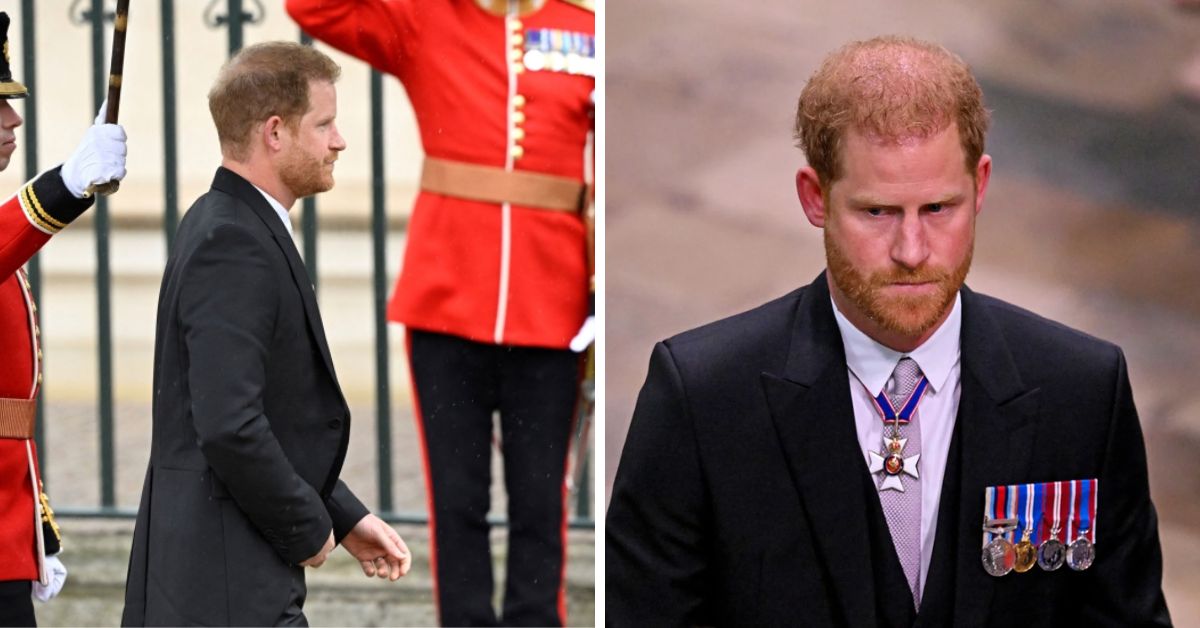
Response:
column 827, row 458
column 494, row 291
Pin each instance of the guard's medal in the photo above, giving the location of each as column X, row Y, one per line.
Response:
column 1026, row 554
column 1081, row 553
column 1052, row 554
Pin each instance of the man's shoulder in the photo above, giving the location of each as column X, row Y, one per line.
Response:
column 1035, row 339
column 218, row 210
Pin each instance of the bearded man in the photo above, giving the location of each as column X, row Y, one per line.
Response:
column 250, row 425
column 828, row 458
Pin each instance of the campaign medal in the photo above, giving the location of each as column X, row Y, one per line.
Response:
column 1081, row 553
column 1052, row 553
column 1025, row 552
column 891, row 463
column 999, row 556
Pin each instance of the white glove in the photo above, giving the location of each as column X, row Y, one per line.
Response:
column 585, row 336
column 100, row 157
column 58, row 575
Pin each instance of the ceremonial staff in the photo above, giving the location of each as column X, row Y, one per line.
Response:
column 115, row 69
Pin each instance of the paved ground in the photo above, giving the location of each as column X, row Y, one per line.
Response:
column 1091, row 218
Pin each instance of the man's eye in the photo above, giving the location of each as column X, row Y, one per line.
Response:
column 935, row 207
column 875, row 211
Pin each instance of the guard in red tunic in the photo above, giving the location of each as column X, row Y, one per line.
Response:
column 496, row 276
column 29, row 538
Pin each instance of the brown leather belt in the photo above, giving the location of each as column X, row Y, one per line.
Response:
column 497, row 185
column 17, row 417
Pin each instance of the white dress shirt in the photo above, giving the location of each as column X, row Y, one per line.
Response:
column 279, row 209
column 870, row 365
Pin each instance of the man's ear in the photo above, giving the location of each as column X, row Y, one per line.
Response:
column 983, row 173
column 808, row 188
column 271, row 133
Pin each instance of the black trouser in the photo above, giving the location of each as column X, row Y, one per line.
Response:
column 16, row 603
column 459, row 384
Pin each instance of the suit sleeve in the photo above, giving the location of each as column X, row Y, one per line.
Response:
column 380, row 33
column 1126, row 587
column 345, row 510
column 227, row 309
column 40, row 209
column 655, row 558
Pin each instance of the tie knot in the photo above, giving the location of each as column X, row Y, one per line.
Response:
column 904, row 380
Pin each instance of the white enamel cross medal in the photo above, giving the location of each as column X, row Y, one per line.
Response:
column 892, row 464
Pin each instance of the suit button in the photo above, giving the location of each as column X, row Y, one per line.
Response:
column 335, row 424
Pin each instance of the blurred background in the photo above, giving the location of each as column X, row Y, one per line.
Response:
column 1092, row 218
column 99, row 283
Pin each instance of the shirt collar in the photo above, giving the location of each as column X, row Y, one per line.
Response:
column 873, row 363
column 279, row 209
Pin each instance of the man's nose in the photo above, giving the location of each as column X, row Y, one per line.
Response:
column 9, row 118
column 911, row 247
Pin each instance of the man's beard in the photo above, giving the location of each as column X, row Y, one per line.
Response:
column 904, row 315
column 304, row 174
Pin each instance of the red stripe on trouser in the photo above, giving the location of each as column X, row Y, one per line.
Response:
column 412, row 378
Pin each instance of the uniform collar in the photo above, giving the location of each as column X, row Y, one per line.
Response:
column 873, row 363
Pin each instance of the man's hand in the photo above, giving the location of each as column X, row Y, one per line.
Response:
column 378, row 548
column 319, row 559
column 99, row 159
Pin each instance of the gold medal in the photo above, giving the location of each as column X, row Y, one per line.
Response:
column 1026, row 554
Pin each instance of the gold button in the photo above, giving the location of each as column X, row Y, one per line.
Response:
column 39, row 378
column 37, row 331
column 39, row 354
column 515, row 55
column 517, row 39
column 518, row 101
column 517, row 68
column 515, row 24
column 517, row 152
column 518, row 117
column 518, row 134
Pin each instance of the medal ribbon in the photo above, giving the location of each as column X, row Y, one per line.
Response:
column 1085, row 514
column 1039, row 498
column 1023, row 515
column 888, row 411
column 1072, row 511
column 1013, row 513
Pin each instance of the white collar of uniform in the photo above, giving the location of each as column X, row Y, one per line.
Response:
column 873, row 363
column 279, row 209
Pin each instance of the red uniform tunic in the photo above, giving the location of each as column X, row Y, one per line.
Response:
column 507, row 92
column 27, row 220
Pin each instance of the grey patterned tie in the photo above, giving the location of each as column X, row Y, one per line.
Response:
column 903, row 509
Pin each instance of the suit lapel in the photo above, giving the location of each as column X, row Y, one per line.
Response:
column 810, row 407
column 231, row 183
column 996, row 424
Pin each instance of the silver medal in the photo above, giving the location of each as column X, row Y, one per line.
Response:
column 999, row 557
column 1081, row 554
column 1052, row 554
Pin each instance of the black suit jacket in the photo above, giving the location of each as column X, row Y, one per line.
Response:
column 742, row 497
column 250, row 426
